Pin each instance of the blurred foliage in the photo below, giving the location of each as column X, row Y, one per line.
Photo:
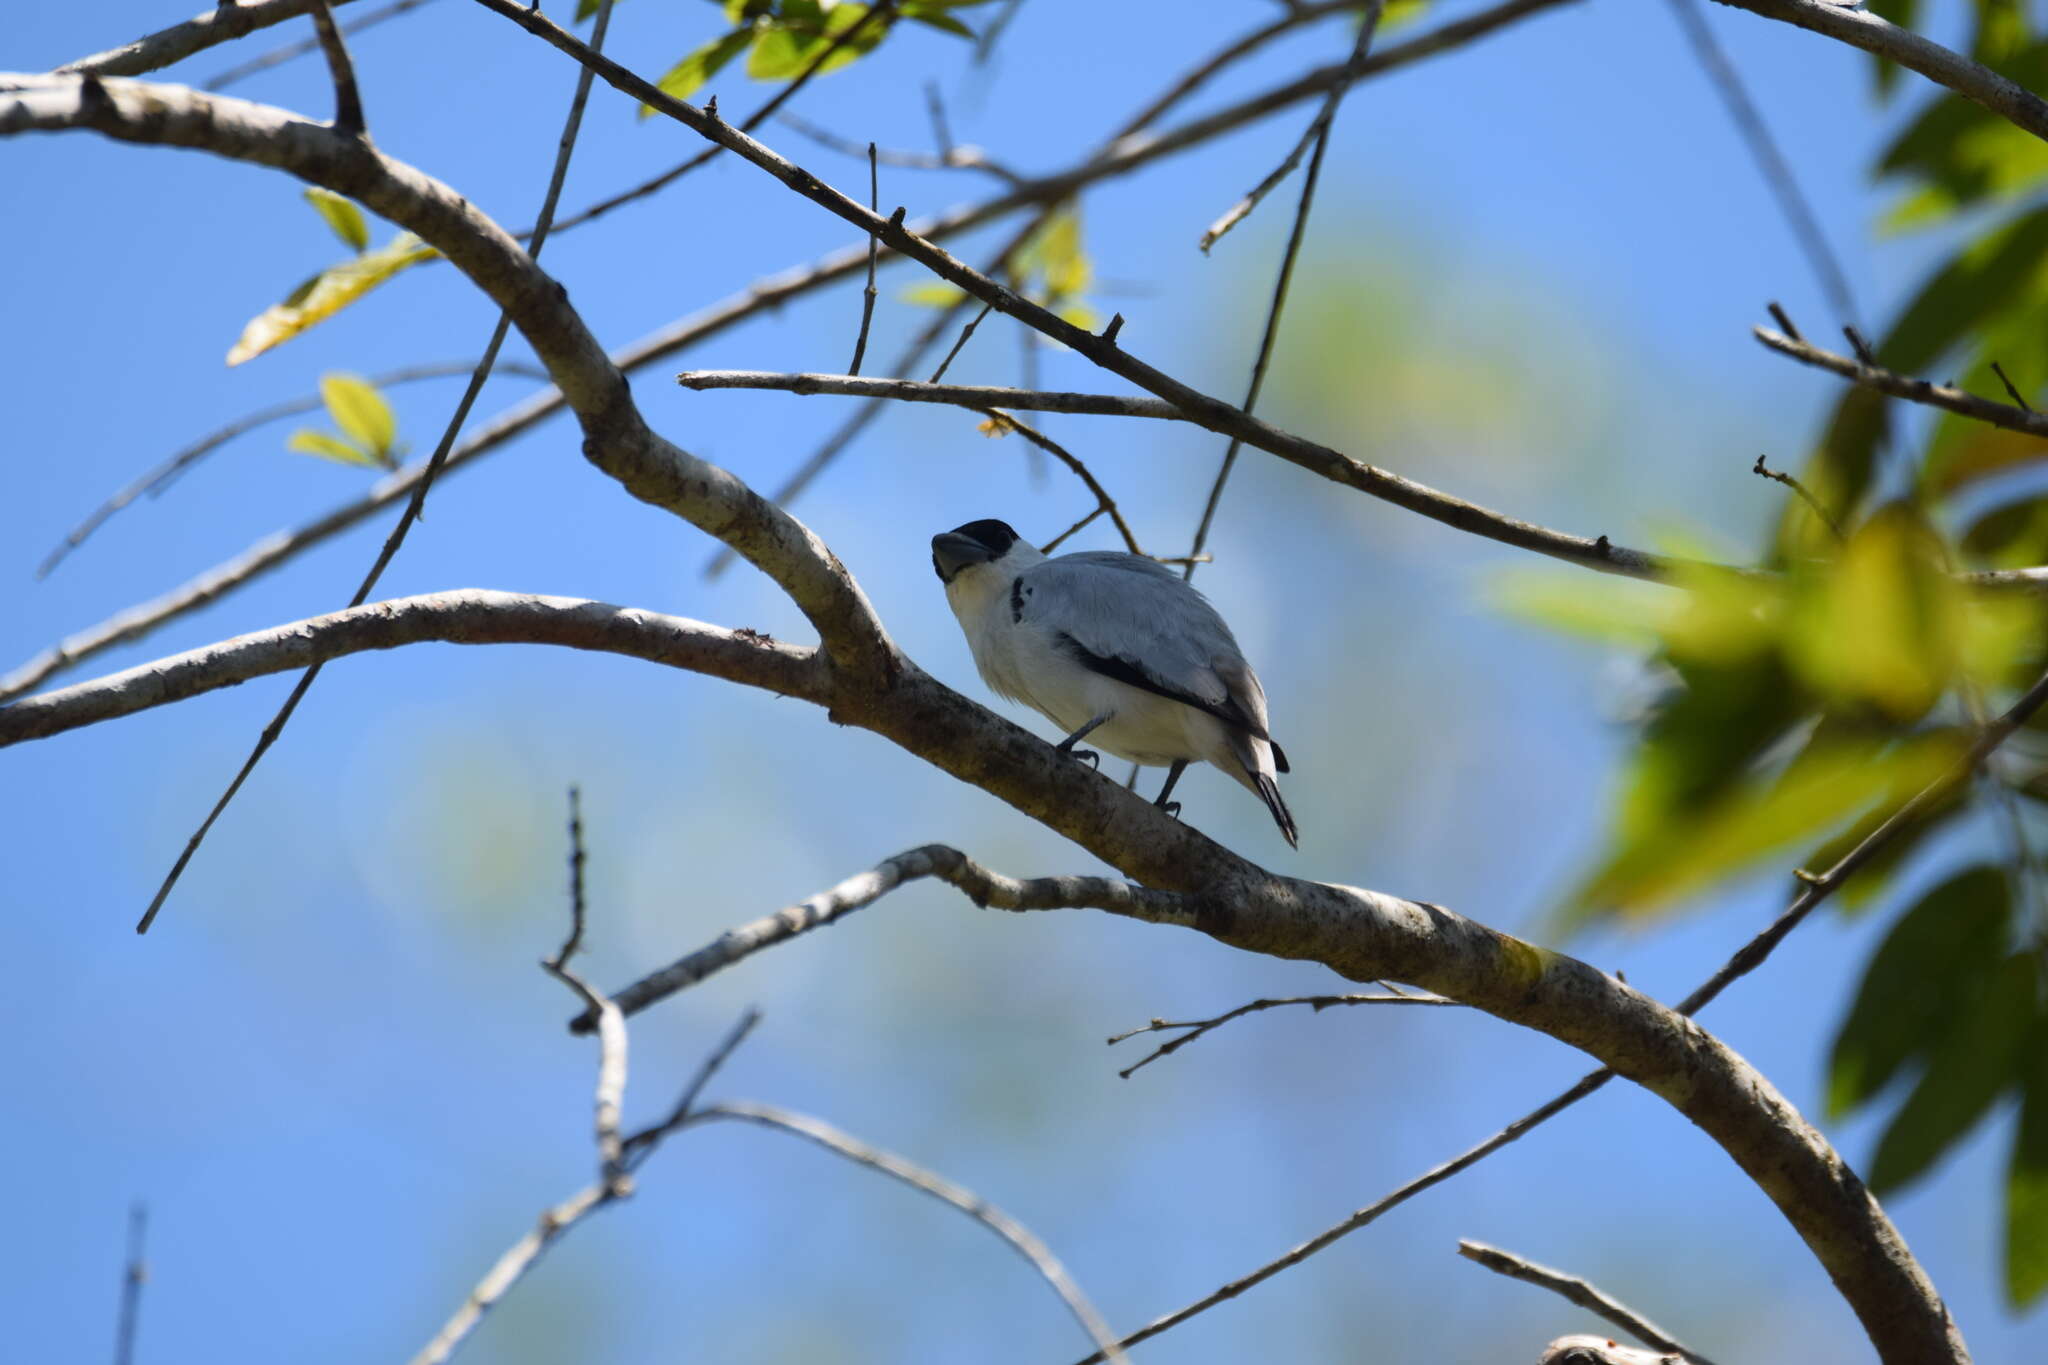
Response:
column 784, row 38
column 1052, row 269
column 1803, row 707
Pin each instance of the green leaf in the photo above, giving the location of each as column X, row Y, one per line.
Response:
column 687, row 76
column 361, row 412
column 933, row 16
column 341, row 214
column 2026, row 1183
column 1975, row 1062
column 326, row 294
column 307, row 441
column 786, row 48
column 1611, row 610
column 1933, row 962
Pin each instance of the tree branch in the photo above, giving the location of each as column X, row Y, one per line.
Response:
column 1860, row 28
column 1583, row 1293
column 1020, row 1238
column 982, row 886
column 1901, row 386
column 616, row 437
column 468, row 617
column 222, row 24
column 1197, row 1027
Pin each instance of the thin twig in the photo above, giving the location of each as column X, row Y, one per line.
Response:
column 942, row 134
column 1318, row 1003
column 1020, row 1238
column 1945, row 396
column 348, row 100
column 571, row 126
column 1583, row 1293
column 867, row 304
column 1271, row 331
column 1103, row 501
column 958, row 395
column 642, row 1144
column 981, row 885
column 2011, row 389
column 1770, row 162
column 1745, row 960
column 955, row 158
column 277, row 56
column 156, row 480
column 1072, row 531
column 885, row 11
column 1813, row 503
column 1316, row 133
column 134, row 1275
column 577, row 857
column 958, row 346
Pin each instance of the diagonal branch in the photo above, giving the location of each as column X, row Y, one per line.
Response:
column 1897, row 385
column 1197, row 1027
column 1860, row 28
column 223, row 24
column 348, row 99
column 982, row 886
column 1021, row 1239
column 1585, row 1294
column 277, row 56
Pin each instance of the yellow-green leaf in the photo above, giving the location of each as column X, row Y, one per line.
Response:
column 307, row 441
column 1615, row 610
column 1885, row 626
column 685, row 78
column 361, row 412
column 341, row 214
column 2026, row 1186
column 933, row 295
column 326, row 294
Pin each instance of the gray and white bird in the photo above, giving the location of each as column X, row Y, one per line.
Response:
column 1114, row 648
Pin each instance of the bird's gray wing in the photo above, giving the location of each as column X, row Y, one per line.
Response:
column 1136, row 621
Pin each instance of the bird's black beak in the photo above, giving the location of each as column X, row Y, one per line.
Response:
column 952, row 552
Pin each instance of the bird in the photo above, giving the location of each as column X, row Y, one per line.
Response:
column 1114, row 648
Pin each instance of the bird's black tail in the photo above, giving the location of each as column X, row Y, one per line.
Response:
column 1269, row 792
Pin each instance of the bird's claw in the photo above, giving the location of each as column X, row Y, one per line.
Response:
column 1172, row 808
column 1088, row 756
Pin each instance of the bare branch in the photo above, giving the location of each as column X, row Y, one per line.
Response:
column 1860, row 28
column 1316, row 134
column 222, row 24
column 982, row 886
column 1813, row 504
column 867, row 301
column 469, row 617
column 642, row 1144
column 1103, row 501
column 951, row 159
column 1770, row 162
column 1198, row 1027
column 1897, row 385
column 156, row 480
column 958, row 346
column 1020, row 1238
column 509, row 1270
column 1583, row 1293
column 348, row 100
column 134, row 1275
column 278, row 56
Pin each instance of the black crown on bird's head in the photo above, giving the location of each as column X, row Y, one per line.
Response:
column 978, row 542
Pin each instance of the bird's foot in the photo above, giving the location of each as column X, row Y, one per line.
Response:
column 1170, row 807
column 1088, row 756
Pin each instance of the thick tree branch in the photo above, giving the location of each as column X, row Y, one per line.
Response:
column 222, row 24
column 616, row 437
column 1860, row 28
column 1585, row 1294
column 469, row 617
column 1897, row 385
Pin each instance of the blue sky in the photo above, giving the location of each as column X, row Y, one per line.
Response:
column 333, row 1070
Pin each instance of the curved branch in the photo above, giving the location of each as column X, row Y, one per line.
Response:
column 174, row 44
column 616, row 437
column 1363, row 935
column 1860, row 28
column 465, row 617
